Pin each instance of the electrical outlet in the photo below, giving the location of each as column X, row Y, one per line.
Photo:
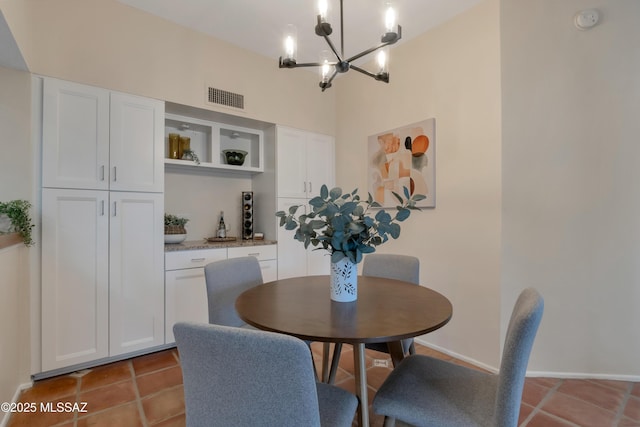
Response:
column 381, row 363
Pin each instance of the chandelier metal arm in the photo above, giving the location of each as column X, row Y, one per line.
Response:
column 333, row 48
column 373, row 49
column 342, row 65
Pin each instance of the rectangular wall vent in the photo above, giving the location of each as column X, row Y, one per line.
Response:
column 223, row 97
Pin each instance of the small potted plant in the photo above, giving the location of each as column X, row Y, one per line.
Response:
column 19, row 219
column 174, row 231
column 342, row 225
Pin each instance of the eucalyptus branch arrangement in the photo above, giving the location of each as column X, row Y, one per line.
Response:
column 17, row 211
column 342, row 224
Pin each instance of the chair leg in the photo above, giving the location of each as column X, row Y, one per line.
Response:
column 325, row 362
column 334, row 362
column 389, row 422
column 412, row 348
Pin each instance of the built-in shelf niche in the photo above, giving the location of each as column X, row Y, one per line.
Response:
column 209, row 140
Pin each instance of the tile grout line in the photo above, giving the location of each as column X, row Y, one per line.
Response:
column 143, row 416
column 538, row 408
column 623, row 405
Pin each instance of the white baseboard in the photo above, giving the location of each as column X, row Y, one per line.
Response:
column 547, row 374
column 458, row 356
column 14, row 399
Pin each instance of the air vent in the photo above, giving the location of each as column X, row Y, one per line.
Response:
column 223, row 97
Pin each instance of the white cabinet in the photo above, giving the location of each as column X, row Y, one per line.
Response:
column 266, row 254
column 136, row 261
column 75, row 136
column 102, row 249
column 96, row 139
column 185, row 285
column 75, row 272
column 305, row 161
column 136, row 149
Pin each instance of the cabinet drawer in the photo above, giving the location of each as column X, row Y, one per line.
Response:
column 192, row 259
column 262, row 252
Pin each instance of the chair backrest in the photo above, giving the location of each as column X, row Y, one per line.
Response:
column 243, row 377
column 226, row 280
column 390, row 266
column 521, row 333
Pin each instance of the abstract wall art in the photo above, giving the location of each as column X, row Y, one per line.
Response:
column 403, row 157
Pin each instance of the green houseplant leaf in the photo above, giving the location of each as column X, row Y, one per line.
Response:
column 341, row 223
column 17, row 211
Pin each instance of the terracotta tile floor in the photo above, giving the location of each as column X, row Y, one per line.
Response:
column 147, row 391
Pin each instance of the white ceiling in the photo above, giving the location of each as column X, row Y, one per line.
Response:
column 258, row 25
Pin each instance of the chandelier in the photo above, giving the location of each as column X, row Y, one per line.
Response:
column 334, row 62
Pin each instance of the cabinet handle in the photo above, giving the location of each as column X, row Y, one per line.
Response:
column 197, row 259
column 255, row 254
column 102, row 173
column 115, row 208
column 305, row 186
column 102, row 208
column 310, row 187
column 115, row 174
column 191, row 276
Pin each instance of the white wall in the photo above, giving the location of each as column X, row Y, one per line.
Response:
column 16, row 180
column 451, row 73
column 571, row 181
column 108, row 44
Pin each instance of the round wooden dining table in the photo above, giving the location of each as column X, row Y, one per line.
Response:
column 386, row 310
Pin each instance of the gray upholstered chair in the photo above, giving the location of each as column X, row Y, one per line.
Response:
column 388, row 266
column 425, row 391
column 245, row 378
column 226, row 280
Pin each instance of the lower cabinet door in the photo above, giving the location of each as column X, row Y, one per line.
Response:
column 186, row 298
column 136, row 273
column 75, row 277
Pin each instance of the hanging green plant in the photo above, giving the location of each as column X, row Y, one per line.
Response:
column 17, row 211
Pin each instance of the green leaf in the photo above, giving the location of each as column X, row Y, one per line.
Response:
column 290, row 225
column 418, row 197
column 403, row 214
column 317, row 223
column 324, row 192
column 335, row 193
column 278, row 214
column 317, row 202
column 383, row 216
column 337, row 256
column 293, row 209
column 394, row 230
column 397, row 196
column 406, row 192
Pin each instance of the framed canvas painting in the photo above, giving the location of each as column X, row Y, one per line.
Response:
column 403, row 157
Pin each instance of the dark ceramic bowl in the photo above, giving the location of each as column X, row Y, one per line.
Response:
column 234, row 157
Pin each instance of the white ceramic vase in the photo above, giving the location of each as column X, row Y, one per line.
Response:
column 344, row 280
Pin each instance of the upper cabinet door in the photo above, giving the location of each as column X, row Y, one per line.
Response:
column 291, row 163
column 75, row 136
column 137, row 144
column 320, row 163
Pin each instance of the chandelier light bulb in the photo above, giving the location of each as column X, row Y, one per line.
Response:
column 390, row 18
column 382, row 61
column 289, row 47
column 290, row 42
column 323, row 8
